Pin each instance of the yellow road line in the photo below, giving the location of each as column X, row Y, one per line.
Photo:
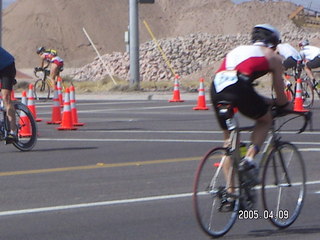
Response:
column 98, row 165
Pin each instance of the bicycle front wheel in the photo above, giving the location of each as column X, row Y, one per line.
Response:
column 215, row 193
column 42, row 90
column 27, row 128
column 307, row 93
column 283, row 185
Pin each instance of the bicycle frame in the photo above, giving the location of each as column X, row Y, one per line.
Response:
column 272, row 142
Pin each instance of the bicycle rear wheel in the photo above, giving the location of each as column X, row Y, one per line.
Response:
column 283, row 185
column 42, row 90
column 307, row 93
column 214, row 214
column 27, row 128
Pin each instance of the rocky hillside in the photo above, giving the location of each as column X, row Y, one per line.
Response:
column 58, row 24
column 187, row 55
column 194, row 34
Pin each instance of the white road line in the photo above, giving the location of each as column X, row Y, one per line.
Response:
column 94, row 204
column 151, row 140
column 104, row 203
column 186, row 132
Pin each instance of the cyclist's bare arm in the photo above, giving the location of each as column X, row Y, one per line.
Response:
column 276, row 67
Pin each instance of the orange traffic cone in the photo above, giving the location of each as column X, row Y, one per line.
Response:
column 25, row 129
column 201, row 98
column 298, row 101
column 59, row 86
column 30, row 103
column 56, row 112
column 74, row 111
column 66, row 123
column 176, row 91
column 288, row 95
column 13, row 98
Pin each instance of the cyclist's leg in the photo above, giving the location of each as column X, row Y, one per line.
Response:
column 259, row 111
column 259, row 133
column 7, row 76
column 314, row 63
column 54, row 71
column 6, row 96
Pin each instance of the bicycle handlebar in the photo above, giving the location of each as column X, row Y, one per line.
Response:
column 307, row 115
column 39, row 69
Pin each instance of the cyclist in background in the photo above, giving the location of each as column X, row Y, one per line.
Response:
column 291, row 59
column 233, row 82
column 311, row 57
column 7, row 78
column 50, row 57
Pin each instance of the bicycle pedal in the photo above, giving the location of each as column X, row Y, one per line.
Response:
column 227, row 205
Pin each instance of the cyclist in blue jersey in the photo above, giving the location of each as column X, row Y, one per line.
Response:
column 7, row 79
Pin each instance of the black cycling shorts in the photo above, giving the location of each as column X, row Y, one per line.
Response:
column 7, row 77
column 314, row 63
column 243, row 96
column 290, row 62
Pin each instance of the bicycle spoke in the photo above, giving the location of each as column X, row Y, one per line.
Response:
column 215, row 198
column 283, row 185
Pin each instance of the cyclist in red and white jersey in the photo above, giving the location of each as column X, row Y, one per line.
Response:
column 233, row 82
column 49, row 57
column 311, row 57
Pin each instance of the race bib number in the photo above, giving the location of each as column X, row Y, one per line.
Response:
column 224, row 79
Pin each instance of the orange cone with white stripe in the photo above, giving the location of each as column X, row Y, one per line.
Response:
column 298, row 101
column 74, row 111
column 176, row 91
column 25, row 128
column 13, row 98
column 56, row 109
column 201, row 98
column 30, row 103
column 67, row 123
column 59, row 87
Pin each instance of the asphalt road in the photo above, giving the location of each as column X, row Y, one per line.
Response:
column 128, row 174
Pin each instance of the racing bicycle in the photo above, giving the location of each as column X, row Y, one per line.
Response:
column 43, row 86
column 26, row 127
column 221, row 193
column 307, row 87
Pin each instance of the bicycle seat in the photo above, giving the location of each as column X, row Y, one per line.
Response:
column 226, row 109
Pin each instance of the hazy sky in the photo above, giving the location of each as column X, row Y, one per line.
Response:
column 312, row 4
column 5, row 3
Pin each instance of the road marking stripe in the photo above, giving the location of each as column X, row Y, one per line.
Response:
column 113, row 165
column 183, row 132
column 150, row 140
column 94, row 204
column 104, row 203
column 98, row 165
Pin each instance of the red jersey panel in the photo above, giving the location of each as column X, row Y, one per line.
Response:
column 248, row 60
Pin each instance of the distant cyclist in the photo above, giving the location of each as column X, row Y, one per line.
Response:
column 50, row 57
column 233, row 82
column 311, row 57
column 291, row 58
column 7, row 77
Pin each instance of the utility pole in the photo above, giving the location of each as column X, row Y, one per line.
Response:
column 134, row 44
column 134, row 41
